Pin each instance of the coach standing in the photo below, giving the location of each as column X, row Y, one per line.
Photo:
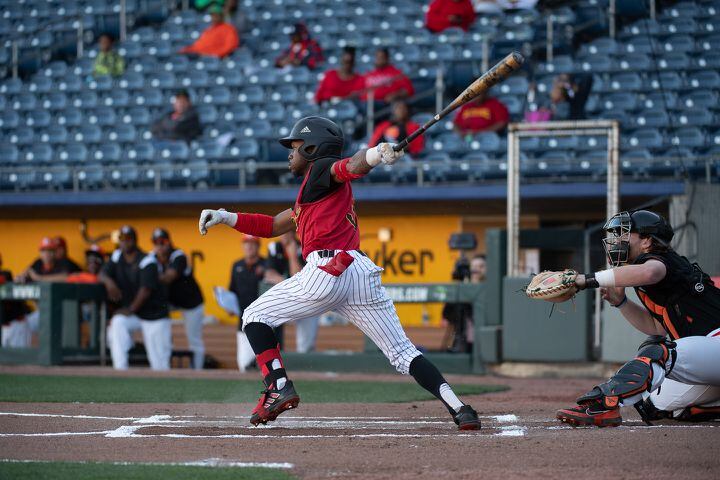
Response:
column 183, row 291
column 132, row 282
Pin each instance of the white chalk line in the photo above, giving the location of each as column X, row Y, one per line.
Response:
column 208, row 462
column 58, row 415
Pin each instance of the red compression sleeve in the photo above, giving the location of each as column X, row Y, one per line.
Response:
column 255, row 224
column 342, row 173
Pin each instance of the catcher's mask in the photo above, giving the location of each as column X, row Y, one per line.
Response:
column 642, row 222
column 321, row 137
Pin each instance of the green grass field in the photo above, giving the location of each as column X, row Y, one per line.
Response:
column 112, row 471
column 66, row 389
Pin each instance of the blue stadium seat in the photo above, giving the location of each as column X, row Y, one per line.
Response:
column 592, row 142
column 56, row 176
column 88, row 134
column 86, row 99
column 70, row 117
column 164, row 80
column 140, row 152
column 513, row 103
column 448, row 143
column 217, row 96
column 560, row 64
column 626, row 82
column 596, row 64
column 643, row 138
column 208, row 114
column 122, row 133
column 634, row 62
column 252, row 94
column 711, row 43
column 125, row 174
column 245, row 148
column 257, row 128
column 40, row 85
column 694, row 117
column 101, row 84
column 102, row 116
column 690, row 137
column 640, row 44
column 651, row 118
column 9, row 119
column 625, row 101
column 273, row 112
column 237, row 112
column 54, row 135
column 137, row 116
column 699, row 99
column 22, row 136
column 674, row 26
column 38, row 119
column 342, row 111
column 678, row 43
column 39, row 153
column 107, row 153
column 72, row 153
column 601, row 46
column 706, row 79
column 195, row 171
column 665, row 81
column 172, row 151
column 674, row 61
column 208, row 150
column 148, row 98
column 9, row 154
column 24, row 101
column 660, row 101
column 486, row 142
column 11, row 86
column 55, row 101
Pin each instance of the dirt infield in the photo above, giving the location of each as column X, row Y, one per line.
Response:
column 519, row 438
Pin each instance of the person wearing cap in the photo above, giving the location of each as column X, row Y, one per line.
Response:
column 94, row 259
column 133, row 286
column 220, row 39
column 302, row 51
column 182, row 123
column 45, row 268
column 245, row 277
column 183, row 291
column 62, row 258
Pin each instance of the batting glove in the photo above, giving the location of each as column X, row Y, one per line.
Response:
column 210, row 218
column 384, row 153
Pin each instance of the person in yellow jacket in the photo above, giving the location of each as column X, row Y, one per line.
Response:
column 108, row 61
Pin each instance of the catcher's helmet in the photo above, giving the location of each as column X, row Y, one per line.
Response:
column 643, row 222
column 321, row 136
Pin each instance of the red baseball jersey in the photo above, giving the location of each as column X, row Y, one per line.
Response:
column 329, row 223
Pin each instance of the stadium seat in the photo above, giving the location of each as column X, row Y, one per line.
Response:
column 72, row 153
column 626, row 82
column 102, row 116
column 107, row 153
column 674, row 61
column 695, row 117
column 699, row 99
column 148, row 98
column 448, row 143
column 55, row 101
column 9, row 154
column 660, row 101
column 208, row 114
column 665, row 81
column 172, row 151
column 706, row 79
column 39, row 153
column 163, row 80
column 690, row 137
column 22, row 136
column 101, row 84
column 643, row 138
column 651, row 118
column 122, row 133
column 634, row 62
column 70, row 117
column 252, row 94
column 245, row 148
column 625, row 101
column 54, row 135
column 24, row 101
column 140, row 152
column 38, row 119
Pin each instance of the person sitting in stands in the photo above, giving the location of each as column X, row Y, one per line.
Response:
column 183, row 123
column 342, row 82
column 303, row 50
column 220, row 39
column 397, row 128
column 388, row 82
column 108, row 61
column 484, row 114
column 443, row 14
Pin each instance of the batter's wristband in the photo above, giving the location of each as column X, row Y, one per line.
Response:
column 622, row 302
column 255, row 224
column 342, row 173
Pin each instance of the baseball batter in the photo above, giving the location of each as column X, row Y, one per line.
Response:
column 678, row 300
column 337, row 275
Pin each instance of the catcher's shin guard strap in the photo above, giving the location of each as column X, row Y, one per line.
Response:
column 632, row 378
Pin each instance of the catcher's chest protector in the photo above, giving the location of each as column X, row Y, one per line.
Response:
column 685, row 302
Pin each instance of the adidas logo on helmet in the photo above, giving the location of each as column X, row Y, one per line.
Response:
column 305, row 130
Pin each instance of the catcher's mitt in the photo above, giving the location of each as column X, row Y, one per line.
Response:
column 554, row 287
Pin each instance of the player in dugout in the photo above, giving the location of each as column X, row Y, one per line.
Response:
column 676, row 377
column 337, row 275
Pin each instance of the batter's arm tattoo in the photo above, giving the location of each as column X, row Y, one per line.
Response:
column 351, row 168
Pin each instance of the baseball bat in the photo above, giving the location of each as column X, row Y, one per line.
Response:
column 492, row 77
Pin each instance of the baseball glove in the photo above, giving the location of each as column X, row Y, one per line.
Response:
column 553, row 287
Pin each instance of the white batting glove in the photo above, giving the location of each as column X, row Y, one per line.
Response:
column 210, row 218
column 384, row 153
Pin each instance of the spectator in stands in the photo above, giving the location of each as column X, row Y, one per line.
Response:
column 569, row 95
column 62, row 258
column 46, row 268
column 283, row 261
column 108, row 61
column 133, row 285
column 443, row 14
column 245, row 277
column 484, row 114
column 184, row 292
column 398, row 127
column 220, row 39
column 387, row 81
column 94, row 259
column 302, row 50
column 15, row 332
column 183, row 123
column 342, row 82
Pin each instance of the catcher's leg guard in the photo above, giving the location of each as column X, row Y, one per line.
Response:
column 634, row 377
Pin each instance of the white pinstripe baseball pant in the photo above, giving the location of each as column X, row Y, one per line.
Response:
column 357, row 294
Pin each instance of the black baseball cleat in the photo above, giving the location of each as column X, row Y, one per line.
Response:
column 466, row 418
column 273, row 402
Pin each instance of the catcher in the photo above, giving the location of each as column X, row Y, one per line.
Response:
column 679, row 301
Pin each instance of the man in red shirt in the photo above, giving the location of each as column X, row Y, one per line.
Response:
column 220, row 39
column 303, row 50
column 388, row 82
column 342, row 82
column 337, row 275
column 444, row 14
column 485, row 114
column 397, row 128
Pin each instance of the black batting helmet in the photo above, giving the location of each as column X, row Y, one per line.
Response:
column 321, row 137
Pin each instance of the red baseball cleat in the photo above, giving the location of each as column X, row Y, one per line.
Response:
column 273, row 402
column 586, row 416
column 467, row 419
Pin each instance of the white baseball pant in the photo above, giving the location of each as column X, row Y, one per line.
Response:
column 695, row 378
column 245, row 354
column 157, row 337
column 306, row 334
column 356, row 294
column 193, row 319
